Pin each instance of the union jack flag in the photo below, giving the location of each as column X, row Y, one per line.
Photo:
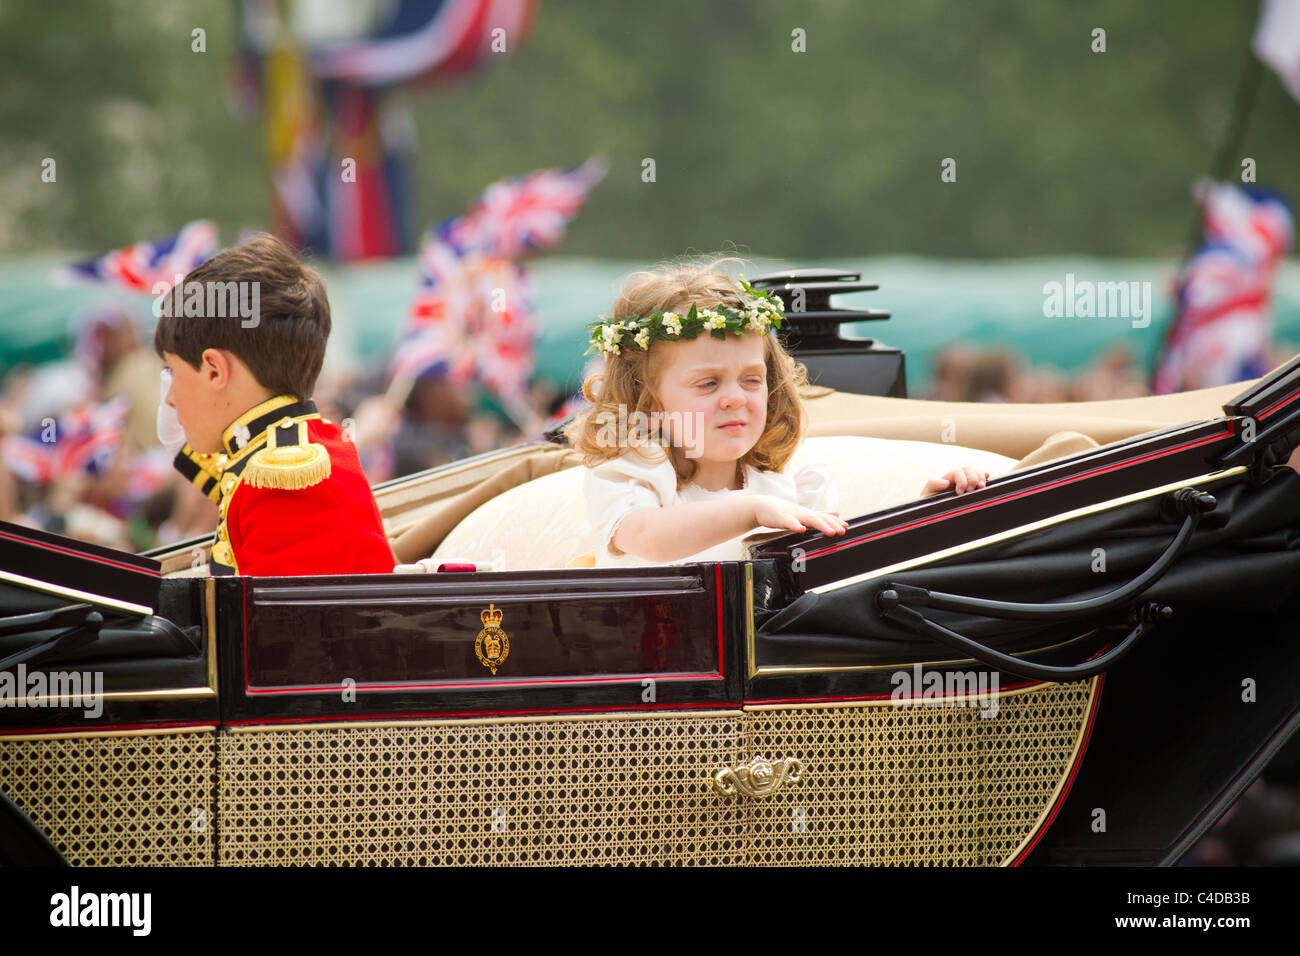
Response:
column 473, row 319
column 1253, row 220
column 528, row 213
column 1223, row 326
column 84, row 440
column 472, row 314
column 440, row 269
column 141, row 266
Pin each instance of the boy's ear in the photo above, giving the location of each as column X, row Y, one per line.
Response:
column 215, row 366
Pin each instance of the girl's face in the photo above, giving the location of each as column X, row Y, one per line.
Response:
column 719, row 389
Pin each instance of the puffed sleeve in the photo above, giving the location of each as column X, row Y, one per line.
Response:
column 615, row 487
column 814, row 488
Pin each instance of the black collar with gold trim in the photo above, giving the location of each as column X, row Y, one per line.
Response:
column 245, row 430
column 244, row 434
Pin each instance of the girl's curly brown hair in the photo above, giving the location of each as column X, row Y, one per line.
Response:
column 630, row 378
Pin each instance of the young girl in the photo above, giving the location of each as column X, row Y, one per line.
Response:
column 697, row 415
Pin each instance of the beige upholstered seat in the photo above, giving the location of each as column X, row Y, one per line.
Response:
column 542, row 523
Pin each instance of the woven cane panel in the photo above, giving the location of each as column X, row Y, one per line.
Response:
column 611, row 790
column 118, row 801
column 914, row 785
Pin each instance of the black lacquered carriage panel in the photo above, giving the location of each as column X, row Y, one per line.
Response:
column 637, row 637
column 421, row 634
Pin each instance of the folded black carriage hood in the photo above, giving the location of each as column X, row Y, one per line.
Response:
column 1245, row 555
column 28, row 554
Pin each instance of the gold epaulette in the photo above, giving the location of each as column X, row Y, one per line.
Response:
column 289, row 461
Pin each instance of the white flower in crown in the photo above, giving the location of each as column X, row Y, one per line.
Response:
column 643, row 338
column 610, row 335
column 714, row 320
column 672, row 323
column 758, row 321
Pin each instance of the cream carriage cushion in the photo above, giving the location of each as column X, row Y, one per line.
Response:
column 542, row 523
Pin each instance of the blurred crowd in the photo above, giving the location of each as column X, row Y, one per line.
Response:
column 966, row 373
column 82, row 458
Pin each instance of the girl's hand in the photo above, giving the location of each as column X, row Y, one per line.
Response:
column 961, row 480
column 773, row 512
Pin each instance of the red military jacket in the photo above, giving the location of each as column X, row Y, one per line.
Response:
column 292, row 497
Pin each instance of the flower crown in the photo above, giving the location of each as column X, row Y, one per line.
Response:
column 764, row 312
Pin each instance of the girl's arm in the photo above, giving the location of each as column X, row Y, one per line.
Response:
column 675, row 531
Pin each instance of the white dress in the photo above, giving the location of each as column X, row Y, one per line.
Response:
column 614, row 488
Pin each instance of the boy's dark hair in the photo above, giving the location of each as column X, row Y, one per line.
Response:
column 284, row 346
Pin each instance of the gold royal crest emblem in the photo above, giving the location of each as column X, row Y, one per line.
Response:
column 492, row 645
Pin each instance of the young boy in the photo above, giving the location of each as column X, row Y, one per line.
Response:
column 243, row 338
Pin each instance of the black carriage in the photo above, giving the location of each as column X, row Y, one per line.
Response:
column 1084, row 662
